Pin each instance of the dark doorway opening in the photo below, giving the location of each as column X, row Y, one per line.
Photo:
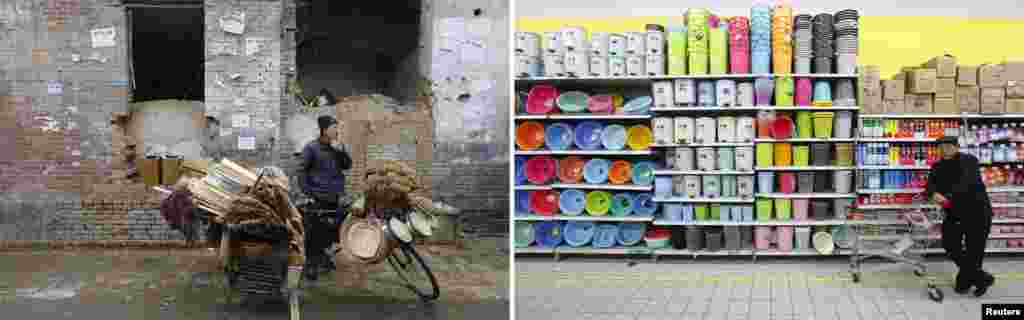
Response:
column 167, row 52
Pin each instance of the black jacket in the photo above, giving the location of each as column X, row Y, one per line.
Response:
column 321, row 173
column 959, row 180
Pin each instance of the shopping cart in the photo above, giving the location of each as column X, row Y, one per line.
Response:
column 906, row 247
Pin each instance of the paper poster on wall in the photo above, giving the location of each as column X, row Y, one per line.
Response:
column 473, row 52
column 254, row 45
column 225, row 131
column 54, row 88
column 233, row 23
column 246, row 139
column 240, row 120
column 103, row 37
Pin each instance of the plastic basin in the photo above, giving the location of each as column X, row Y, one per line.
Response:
column 548, row 233
column 643, row 173
column 596, row 171
column 520, row 170
column 588, row 135
column 657, row 238
column 530, row 135
column 613, row 137
column 631, row 233
column 572, row 202
column 540, row 169
column 620, row 172
column 622, row 204
column 544, row 202
column 644, row 205
column 598, row 203
column 579, row 233
column 639, row 137
column 558, row 136
column 523, row 203
column 541, row 99
column 606, row 236
column 638, row 105
column 524, row 234
column 573, row 101
column 570, row 169
column 601, row 104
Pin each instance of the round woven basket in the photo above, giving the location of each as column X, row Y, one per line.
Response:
column 365, row 241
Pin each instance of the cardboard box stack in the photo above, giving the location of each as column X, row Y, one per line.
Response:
column 941, row 86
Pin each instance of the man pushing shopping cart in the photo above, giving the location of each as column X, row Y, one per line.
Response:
column 955, row 184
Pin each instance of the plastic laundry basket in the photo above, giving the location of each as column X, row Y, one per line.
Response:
column 630, row 234
column 764, row 155
column 801, row 156
column 622, row 204
column 548, row 233
column 800, row 207
column 598, row 203
column 572, row 202
column 783, row 209
column 578, row 233
column 823, row 124
column 558, row 136
column 783, row 154
column 764, row 209
column 606, row 235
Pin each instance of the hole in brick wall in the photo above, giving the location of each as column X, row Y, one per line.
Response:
column 168, row 53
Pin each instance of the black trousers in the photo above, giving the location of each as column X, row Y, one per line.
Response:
column 319, row 233
column 964, row 240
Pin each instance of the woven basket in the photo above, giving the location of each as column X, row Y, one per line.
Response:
column 365, row 241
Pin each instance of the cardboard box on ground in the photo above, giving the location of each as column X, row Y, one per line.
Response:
column 363, row 121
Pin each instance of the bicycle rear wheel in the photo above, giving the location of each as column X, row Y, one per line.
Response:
column 414, row 271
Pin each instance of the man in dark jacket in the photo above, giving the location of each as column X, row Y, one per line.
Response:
column 321, row 177
column 955, row 184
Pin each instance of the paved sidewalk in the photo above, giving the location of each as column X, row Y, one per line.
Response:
column 734, row 289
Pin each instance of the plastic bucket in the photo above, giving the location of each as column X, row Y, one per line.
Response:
column 744, row 158
column 805, row 182
column 842, row 207
column 579, row 233
column 763, row 237
column 540, row 169
column 570, row 169
column 821, row 154
column 764, row 88
column 728, row 186
column 782, row 127
column 643, row 173
column 601, row 104
column 766, row 182
column 524, row 234
column 663, row 186
column 520, row 170
column 572, row 202
column 541, row 99
column 764, row 155
column 685, row 129
column 844, row 124
column 700, row 212
column 764, row 123
column 726, row 158
column 558, row 136
column 745, row 129
column 803, row 92
column 573, row 101
column 715, row 212
column 598, row 203
column 844, row 154
column 544, row 202
column 764, row 209
column 820, row 209
column 663, row 127
column 588, row 135
column 530, row 135
column 523, row 203
column 630, row 234
column 783, row 91
column 843, row 181
column 711, row 186
column 783, row 209
column 664, row 96
column 620, row 172
column 713, row 239
column 802, row 238
column 736, row 213
column 801, row 156
column 787, row 182
column 783, row 154
column 804, row 124
column 821, row 181
column 688, row 212
column 823, row 124
column 673, row 212
column 548, row 233
column 694, row 238
column 644, row 205
column 800, row 207
column 596, row 171
column 684, row 159
column 613, row 137
column 705, row 130
column 726, row 129
column 606, row 236
column 622, row 204
column 784, row 238
column 745, row 186
column 639, row 137
column 692, row 184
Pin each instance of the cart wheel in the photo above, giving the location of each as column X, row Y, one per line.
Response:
column 935, row 294
column 918, row 272
column 856, row 277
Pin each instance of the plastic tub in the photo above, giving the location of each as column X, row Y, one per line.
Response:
column 622, row 204
column 800, row 207
column 823, row 124
column 598, row 203
column 544, row 202
column 746, row 129
column 726, row 131
column 663, row 130
column 639, row 137
column 804, row 124
column 802, row 238
column 843, row 181
column 694, row 238
column 558, row 136
column 701, row 212
column 823, row 242
column 764, row 209
column 540, row 169
column 763, row 237
column 764, row 155
column 726, row 158
column 644, row 205
column 620, row 172
column 728, row 186
column 596, row 171
column 842, row 207
column 783, row 209
column 573, row 101
column 520, row 170
column 673, row 212
column 631, row 233
column 715, row 212
column 784, row 238
column 605, row 236
column 638, row 105
column 783, row 154
column 578, row 233
column 658, row 238
column 685, row 130
column 678, row 238
column 705, row 130
column 524, row 234
column 522, row 204
column 711, row 186
column 643, row 173
column 601, row 104
column 844, row 124
column 787, row 182
column 821, row 154
column 748, row 212
column 570, row 169
column 713, row 239
column 744, row 158
column 706, row 158
column 541, row 99
column 692, row 185
column 820, row 209
column 613, row 137
column 684, row 159
column 844, row 154
column 745, row 186
column 766, row 182
column 548, row 233
column 588, row 135
column 664, row 186
column 530, row 135
column 572, row 202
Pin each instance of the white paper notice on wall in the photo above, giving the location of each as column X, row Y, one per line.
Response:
column 246, row 143
column 54, row 88
column 103, row 37
column 233, row 23
column 225, row 131
column 240, row 120
column 254, row 45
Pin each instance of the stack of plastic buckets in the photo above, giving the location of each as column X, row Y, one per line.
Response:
column 824, row 50
column 739, row 45
column 697, row 37
column 782, row 38
column 846, row 28
column 803, row 40
column 677, row 43
column 760, row 37
column 718, row 45
column 528, row 55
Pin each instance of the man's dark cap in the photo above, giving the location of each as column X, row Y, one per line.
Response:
column 325, row 122
column 949, row 139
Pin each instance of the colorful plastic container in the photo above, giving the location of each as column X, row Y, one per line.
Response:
column 639, row 137
column 643, row 173
column 787, row 182
column 544, row 202
column 598, row 203
column 638, row 105
column 522, row 205
column 570, row 169
column 766, row 182
column 524, row 234
column 783, row 209
column 644, row 205
column 588, row 135
column 784, row 238
column 541, row 99
column 548, row 233
column 572, row 202
column 804, row 124
column 606, row 236
column 579, row 233
column 540, row 169
column 783, row 154
column 763, row 237
column 620, row 172
column 701, row 212
column 520, row 170
column 622, row 204
column 596, row 171
column 630, row 233
column 801, row 155
column 764, row 209
column 784, row 91
column 601, row 104
column 823, row 124
column 558, row 136
column 530, row 135
column 800, row 207
column 573, row 101
column 765, row 156
column 613, row 137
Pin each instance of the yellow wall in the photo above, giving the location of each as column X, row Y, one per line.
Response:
column 890, row 42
